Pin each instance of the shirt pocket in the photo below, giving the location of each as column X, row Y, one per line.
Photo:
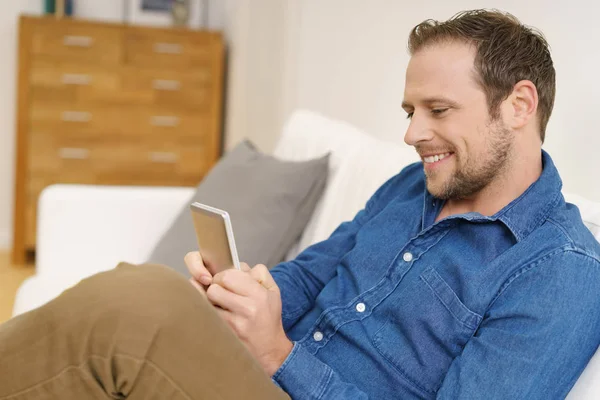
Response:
column 426, row 332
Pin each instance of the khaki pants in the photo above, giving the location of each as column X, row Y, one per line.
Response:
column 136, row 332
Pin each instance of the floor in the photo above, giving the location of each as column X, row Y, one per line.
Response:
column 11, row 276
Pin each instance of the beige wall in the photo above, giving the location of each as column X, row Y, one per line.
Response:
column 256, row 81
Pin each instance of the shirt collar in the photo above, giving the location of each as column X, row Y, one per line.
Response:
column 525, row 213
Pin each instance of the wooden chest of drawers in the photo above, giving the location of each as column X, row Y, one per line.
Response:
column 112, row 104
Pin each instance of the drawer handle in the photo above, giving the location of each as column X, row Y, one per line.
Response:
column 78, row 41
column 163, row 157
column 76, row 116
column 164, row 84
column 168, row 48
column 164, row 120
column 73, row 153
column 76, row 79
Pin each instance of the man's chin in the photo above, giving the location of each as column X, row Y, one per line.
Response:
column 434, row 189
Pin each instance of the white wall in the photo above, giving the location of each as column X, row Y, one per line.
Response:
column 254, row 106
column 8, row 76
column 347, row 59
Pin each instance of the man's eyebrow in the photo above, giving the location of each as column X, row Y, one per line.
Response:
column 432, row 100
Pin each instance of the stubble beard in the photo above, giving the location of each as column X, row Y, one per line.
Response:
column 480, row 170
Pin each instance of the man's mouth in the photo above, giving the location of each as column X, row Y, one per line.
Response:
column 435, row 158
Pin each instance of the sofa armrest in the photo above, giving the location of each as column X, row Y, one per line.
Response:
column 83, row 229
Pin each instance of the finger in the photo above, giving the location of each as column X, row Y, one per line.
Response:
column 238, row 282
column 245, row 267
column 261, row 274
column 194, row 263
column 227, row 300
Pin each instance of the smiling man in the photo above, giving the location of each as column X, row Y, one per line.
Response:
column 466, row 276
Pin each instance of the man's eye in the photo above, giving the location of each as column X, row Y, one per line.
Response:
column 409, row 115
column 438, row 111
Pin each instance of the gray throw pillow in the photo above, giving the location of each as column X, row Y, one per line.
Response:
column 269, row 200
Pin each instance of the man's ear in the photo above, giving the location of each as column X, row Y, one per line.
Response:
column 522, row 104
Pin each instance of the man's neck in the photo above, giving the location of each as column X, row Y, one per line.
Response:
column 499, row 193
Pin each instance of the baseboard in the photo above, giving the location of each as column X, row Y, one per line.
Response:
column 4, row 239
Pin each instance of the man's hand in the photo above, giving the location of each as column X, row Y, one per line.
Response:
column 201, row 276
column 250, row 302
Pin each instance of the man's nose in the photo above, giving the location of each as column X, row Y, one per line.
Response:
column 418, row 131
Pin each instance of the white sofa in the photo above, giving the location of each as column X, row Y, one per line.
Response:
column 83, row 230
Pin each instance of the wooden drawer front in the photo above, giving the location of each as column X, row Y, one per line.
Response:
column 54, row 82
column 76, row 120
column 74, row 41
column 169, row 125
column 149, row 48
column 142, row 123
column 64, row 159
column 168, row 88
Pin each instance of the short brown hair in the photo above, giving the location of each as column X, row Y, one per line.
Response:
column 506, row 53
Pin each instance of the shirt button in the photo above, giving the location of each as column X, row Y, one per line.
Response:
column 318, row 336
column 407, row 257
column 360, row 307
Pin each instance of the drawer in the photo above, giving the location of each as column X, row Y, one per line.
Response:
column 96, row 121
column 167, row 49
column 171, row 125
column 53, row 81
column 70, row 159
column 75, row 41
column 77, row 119
column 171, row 88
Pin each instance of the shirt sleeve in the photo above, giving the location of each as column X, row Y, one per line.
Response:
column 303, row 376
column 302, row 279
column 537, row 336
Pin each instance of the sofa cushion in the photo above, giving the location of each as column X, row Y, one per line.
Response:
column 269, row 201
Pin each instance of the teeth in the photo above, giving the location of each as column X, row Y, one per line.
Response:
column 436, row 158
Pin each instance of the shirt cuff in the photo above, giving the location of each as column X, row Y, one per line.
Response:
column 302, row 375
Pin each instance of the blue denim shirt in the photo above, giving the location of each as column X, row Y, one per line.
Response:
column 395, row 305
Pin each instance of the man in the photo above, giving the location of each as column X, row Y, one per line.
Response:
column 466, row 276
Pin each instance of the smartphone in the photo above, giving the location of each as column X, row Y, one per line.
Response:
column 215, row 237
